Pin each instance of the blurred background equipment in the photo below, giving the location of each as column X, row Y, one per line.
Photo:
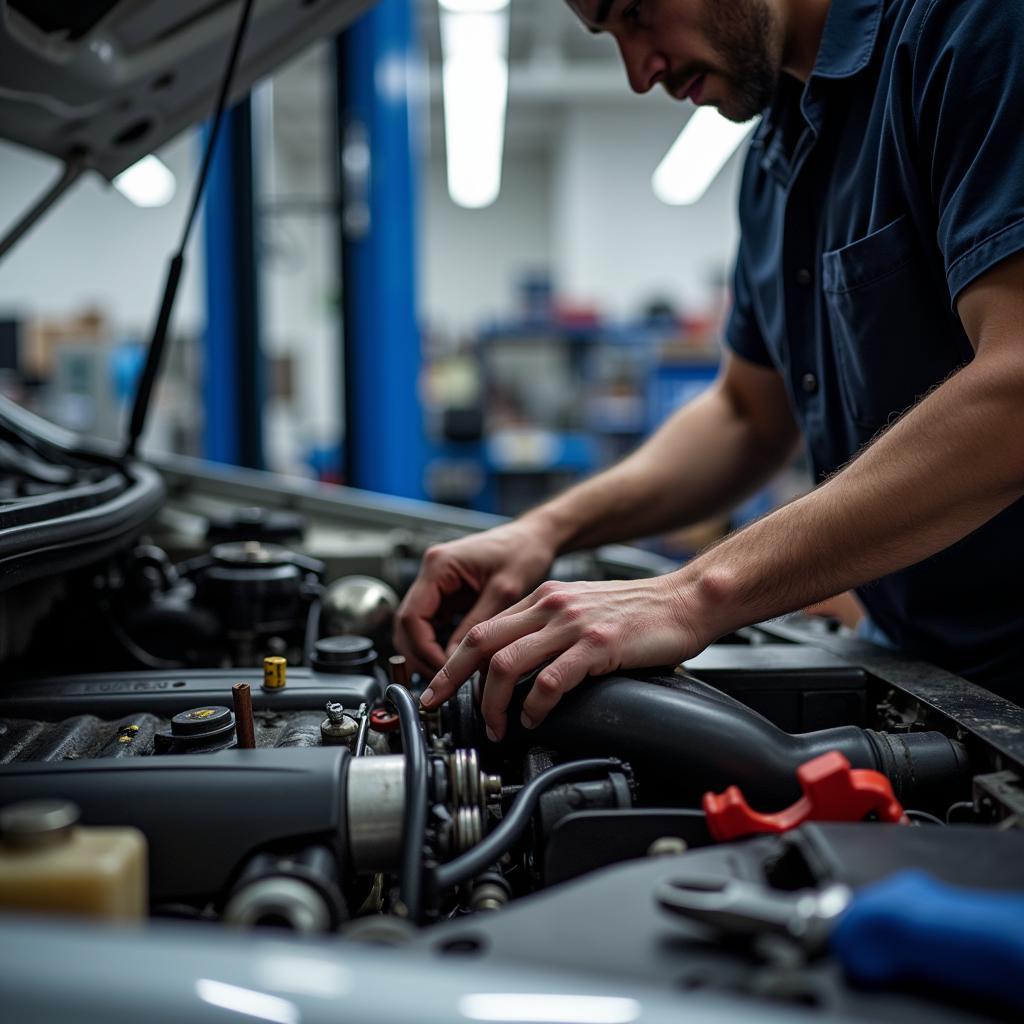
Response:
column 375, row 300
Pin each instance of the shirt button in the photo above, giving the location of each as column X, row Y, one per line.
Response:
column 804, row 277
column 809, row 384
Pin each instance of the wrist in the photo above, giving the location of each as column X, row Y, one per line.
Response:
column 552, row 526
column 706, row 599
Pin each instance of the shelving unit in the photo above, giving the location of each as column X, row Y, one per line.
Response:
column 560, row 402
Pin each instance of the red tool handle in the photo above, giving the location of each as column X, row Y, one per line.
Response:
column 833, row 791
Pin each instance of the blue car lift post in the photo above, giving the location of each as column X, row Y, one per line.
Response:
column 233, row 364
column 384, row 438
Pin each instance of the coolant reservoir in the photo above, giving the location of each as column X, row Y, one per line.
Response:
column 49, row 862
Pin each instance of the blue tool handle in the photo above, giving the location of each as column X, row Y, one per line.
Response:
column 913, row 927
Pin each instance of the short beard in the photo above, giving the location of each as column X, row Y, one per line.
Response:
column 745, row 34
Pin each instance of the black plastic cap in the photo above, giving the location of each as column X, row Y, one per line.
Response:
column 344, row 654
column 206, row 721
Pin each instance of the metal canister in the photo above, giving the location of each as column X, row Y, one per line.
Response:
column 275, row 672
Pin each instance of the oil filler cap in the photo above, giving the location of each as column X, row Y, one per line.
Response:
column 198, row 730
column 352, row 655
column 202, row 723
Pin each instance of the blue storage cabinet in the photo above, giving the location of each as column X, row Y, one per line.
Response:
column 673, row 385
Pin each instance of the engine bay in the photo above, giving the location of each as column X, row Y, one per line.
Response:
column 221, row 799
column 226, row 625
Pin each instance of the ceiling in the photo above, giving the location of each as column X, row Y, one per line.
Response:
column 554, row 64
column 538, row 30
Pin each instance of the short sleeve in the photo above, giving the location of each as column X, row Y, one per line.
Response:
column 742, row 334
column 967, row 95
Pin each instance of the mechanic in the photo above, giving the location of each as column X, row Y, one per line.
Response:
column 878, row 314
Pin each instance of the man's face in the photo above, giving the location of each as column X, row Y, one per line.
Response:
column 723, row 53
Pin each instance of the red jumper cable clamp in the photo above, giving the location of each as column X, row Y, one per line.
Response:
column 833, row 791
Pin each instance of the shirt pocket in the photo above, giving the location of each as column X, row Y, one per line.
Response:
column 892, row 333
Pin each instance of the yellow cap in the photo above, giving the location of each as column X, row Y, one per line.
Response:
column 275, row 672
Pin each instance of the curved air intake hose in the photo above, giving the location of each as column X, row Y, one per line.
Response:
column 700, row 738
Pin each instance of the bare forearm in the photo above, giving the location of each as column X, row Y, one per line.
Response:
column 705, row 459
column 940, row 473
column 946, row 468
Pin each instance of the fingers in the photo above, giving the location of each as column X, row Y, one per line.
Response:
column 479, row 644
column 552, row 682
column 420, row 645
column 568, row 632
column 486, row 639
column 414, row 628
column 507, row 667
column 495, row 598
column 531, row 600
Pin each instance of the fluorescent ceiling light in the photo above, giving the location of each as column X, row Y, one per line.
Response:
column 474, row 124
column 474, row 6
column 474, row 74
column 697, row 156
column 150, row 182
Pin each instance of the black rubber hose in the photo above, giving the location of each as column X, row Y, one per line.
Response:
column 926, row 769
column 312, row 633
column 123, row 510
column 414, row 821
column 41, row 549
column 477, row 860
column 697, row 738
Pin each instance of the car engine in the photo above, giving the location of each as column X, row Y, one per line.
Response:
column 218, row 675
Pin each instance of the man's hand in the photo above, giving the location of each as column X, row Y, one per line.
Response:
column 492, row 569
column 723, row 446
column 580, row 630
column 918, row 488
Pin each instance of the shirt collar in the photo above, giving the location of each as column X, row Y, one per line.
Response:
column 847, row 44
column 851, row 31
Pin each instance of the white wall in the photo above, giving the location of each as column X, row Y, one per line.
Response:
column 472, row 260
column 587, row 212
column 615, row 244
column 95, row 249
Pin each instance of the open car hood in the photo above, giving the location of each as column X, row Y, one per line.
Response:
column 108, row 81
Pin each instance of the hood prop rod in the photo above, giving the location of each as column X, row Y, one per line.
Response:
column 158, row 340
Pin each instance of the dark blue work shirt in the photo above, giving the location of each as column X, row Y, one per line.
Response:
column 871, row 198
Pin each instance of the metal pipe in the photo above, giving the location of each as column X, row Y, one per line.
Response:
column 398, row 669
column 364, row 730
column 245, row 727
column 415, row 814
column 376, row 801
